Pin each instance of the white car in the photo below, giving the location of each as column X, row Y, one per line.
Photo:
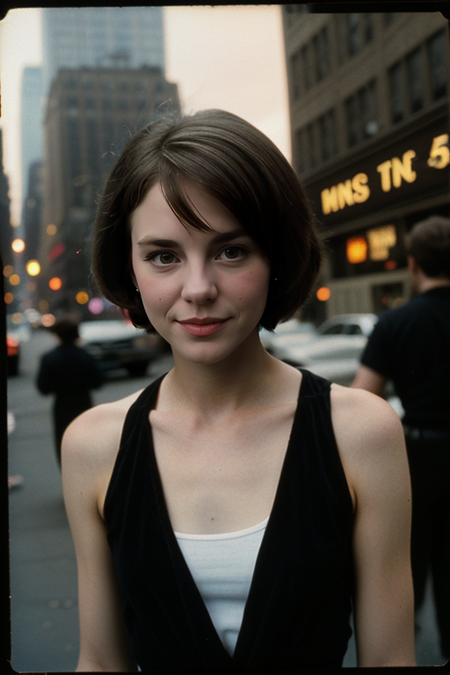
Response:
column 116, row 343
column 349, row 324
column 335, row 357
column 290, row 332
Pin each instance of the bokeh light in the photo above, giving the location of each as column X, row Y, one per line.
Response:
column 82, row 297
column 95, row 306
column 323, row 294
column 9, row 298
column 14, row 280
column 51, row 229
column 48, row 320
column 8, row 270
column 18, row 245
column 33, row 268
column 55, row 283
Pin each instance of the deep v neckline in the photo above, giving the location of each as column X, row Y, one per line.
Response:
column 175, row 550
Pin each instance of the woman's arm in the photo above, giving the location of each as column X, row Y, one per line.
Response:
column 371, row 443
column 86, row 459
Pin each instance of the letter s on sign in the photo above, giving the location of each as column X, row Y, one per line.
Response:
column 361, row 191
column 439, row 154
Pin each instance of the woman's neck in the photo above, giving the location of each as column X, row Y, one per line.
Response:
column 242, row 379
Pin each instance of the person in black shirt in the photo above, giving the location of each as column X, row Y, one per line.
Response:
column 69, row 372
column 410, row 346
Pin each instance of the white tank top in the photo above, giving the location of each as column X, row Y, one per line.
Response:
column 222, row 567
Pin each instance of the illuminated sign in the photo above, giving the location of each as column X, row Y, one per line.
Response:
column 381, row 240
column 356, row 250
column 414, row 167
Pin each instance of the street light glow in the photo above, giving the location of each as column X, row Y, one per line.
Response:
column 18, row 245
column 55, row 283
column 33, row 268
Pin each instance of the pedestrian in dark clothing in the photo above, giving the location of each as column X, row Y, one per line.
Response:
column 410, row 345
column 69, row 372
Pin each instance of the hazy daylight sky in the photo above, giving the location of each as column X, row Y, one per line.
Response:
column 229, row 57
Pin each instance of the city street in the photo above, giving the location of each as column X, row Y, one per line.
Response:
column 44, row 606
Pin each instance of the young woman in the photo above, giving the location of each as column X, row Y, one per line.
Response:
column 231, row 515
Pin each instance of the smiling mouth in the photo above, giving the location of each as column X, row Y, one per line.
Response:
column 202, row 327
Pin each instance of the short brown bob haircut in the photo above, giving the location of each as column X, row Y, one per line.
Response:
column 429, row 244
column 235, row 163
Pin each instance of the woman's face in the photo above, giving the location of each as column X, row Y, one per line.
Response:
column 204, row 292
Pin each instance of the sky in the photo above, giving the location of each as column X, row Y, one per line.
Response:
column 229, row 57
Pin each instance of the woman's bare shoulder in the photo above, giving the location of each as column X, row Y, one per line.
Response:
column 358, row 414
column 369, row 436
column 96, row 433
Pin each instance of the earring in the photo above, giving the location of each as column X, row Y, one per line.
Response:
column 137, row 290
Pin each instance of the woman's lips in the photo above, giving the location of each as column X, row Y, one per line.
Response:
column 203, row 329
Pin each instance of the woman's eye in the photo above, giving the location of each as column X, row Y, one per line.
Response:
column 231, row 253
column 162, row 258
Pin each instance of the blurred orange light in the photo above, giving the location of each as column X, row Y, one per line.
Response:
column 55, row 283
column 356, row 250
column 51, row 229
column 18, row 245
column 14, row 280
column 390, row 264
column 8, row 270
column 82, row 298
column 323, row 294
column 9, row 297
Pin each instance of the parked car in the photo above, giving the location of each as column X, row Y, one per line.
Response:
column 116, row 343
column 292, row 332
column 13, row 354
column 335, row 357
column 349, row 324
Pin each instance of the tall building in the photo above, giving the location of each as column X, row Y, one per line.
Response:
column 91, row 114
column 369, row 112
column 98, row 36
column 31, row 120
column 5, row 222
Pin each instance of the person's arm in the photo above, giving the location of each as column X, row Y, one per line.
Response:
column 372, row 448
column 370, row 380
column 85, row 456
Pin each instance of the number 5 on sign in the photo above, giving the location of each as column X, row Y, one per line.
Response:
column 439, row 154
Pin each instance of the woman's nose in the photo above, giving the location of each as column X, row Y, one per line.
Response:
column 199, row 285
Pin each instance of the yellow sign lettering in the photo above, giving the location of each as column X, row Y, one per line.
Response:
column 329, row 200
column 385, row 170
column 403, row 169
column 361, row 191
column 439, row 154
column 345, row 194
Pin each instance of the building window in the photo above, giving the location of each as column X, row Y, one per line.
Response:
column 361, row 114
column 396, row 92
column 351, row 115
column 327, row 132
column 353, row 42
column 300, row 150
column 367, row 103
column 311, row 145
column 415, row 69
column 321, row 52
column 437, row 65
column 296, row 74
column 307, row 66
column 367, row 25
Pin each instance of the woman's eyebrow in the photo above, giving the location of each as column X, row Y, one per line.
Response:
column 220, row 238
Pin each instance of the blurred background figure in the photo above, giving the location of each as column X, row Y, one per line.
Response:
column 69, row 372
column 410, row 345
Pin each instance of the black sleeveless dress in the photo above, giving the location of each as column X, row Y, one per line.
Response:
column 298, row 609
